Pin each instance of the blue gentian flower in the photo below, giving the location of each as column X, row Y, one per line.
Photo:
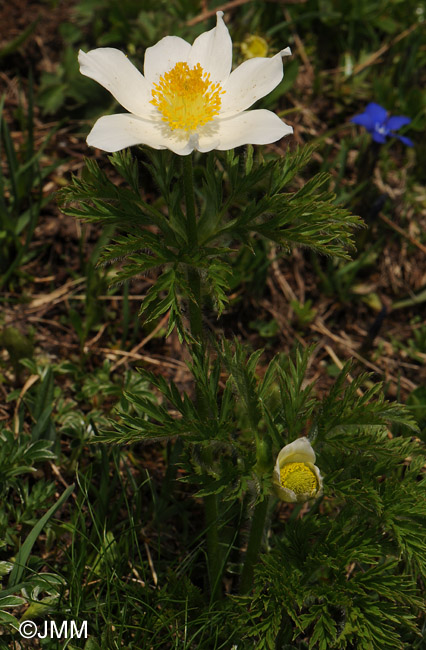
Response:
column 381, row 125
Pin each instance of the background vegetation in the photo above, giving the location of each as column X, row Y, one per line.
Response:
column 124, row 549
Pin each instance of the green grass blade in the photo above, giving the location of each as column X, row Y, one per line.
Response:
column 12, row 161
column 16, row 43
column 25, row 550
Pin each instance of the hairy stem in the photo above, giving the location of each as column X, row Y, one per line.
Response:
column 191, row 219
column 214, row 560
column 195, row 314
column 253, row 547
column 196, row 324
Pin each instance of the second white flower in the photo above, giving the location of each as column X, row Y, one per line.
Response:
column 296, row 477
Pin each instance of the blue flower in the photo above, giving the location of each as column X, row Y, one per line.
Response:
column 381, row 125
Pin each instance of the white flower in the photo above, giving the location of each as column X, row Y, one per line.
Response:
column 296, row 477
column 188, row 98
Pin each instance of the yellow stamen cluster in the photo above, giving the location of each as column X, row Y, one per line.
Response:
column 186, row 97
column 299, row 478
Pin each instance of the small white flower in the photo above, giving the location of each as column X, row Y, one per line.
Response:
column 187, row 98
column 296, row 477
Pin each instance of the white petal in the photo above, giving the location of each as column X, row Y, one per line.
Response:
column 249, row 82
column 163, row 56
column 207, row 144
column 251, row 127
column 213, row 51
column 113, row 70
column 285, row 494
column 299, row 451
column 115, row 132
column 319, row 478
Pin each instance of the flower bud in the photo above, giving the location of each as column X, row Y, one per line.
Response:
column 264, row 456
column 254, row 46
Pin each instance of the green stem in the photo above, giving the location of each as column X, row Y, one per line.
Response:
column 214, row 561
column 191, row 220
column 196, row 324
column 253, row 547
column 195, row 315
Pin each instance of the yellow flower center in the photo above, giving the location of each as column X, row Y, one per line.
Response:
column 299, row 478
column 186, row 97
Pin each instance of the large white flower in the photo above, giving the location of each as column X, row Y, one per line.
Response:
column 188, row 98
column 296, row 477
